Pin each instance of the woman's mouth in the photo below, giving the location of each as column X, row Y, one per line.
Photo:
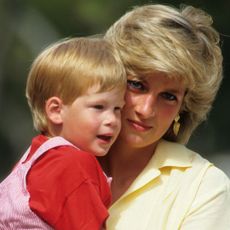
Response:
column 139, row 126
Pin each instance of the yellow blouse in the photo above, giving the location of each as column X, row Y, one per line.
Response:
column 178, row 189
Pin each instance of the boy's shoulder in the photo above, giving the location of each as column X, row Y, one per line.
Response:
column 67, row 159
column 68, row 164
column 65, row 150
column 73, row 155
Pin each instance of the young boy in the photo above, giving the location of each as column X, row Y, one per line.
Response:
column 75, row 90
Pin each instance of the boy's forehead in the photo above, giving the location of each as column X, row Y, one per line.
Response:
column 114, row 95
column 93, row 89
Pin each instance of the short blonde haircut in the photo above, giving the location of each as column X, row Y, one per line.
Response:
column 67, row 69
column 179, row 42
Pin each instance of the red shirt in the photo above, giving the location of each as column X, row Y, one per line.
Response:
column 68, row 188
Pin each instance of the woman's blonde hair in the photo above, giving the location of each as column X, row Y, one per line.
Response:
column 67, row 69
column 179, row 42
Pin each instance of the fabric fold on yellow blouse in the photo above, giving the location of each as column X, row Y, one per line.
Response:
column 178, row 189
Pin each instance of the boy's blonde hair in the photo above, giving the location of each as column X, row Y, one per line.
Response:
column 67, row 69
column 179, row 42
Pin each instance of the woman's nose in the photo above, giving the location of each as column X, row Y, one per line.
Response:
column 146, row 107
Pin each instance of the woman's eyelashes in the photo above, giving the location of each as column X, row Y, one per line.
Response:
column 169, row 96
column 136, row 85
column 140, row 86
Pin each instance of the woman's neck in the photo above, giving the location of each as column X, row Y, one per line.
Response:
column 124, row 164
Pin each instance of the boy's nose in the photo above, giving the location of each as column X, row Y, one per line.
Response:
column 112, row 119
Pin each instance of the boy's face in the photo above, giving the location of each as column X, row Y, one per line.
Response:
column 93, row 121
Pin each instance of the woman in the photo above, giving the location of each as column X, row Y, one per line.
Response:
column 174, row 70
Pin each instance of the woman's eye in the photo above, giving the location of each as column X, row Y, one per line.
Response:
column 136, row 85
column 169, row 96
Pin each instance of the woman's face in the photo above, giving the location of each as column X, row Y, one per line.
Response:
column 152, row 103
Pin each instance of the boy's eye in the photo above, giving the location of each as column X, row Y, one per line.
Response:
column 98, row 106
column 136, row 85
column 117, row 108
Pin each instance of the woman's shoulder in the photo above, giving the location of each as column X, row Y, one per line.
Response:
column 178, row 155
column 212, row 193
column 213, row 174
column 196, row 185
column 216, row 178
column 195, row 161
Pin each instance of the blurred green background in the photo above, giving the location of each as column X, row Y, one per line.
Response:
column 28, row 26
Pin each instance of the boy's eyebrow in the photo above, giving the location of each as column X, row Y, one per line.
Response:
column 93, row 99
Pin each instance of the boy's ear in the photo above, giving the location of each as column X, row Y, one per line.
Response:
column 53, row 110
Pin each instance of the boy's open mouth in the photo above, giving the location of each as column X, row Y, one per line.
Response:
column 106, row 138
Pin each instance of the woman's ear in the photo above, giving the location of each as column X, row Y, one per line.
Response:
column 53, row 110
